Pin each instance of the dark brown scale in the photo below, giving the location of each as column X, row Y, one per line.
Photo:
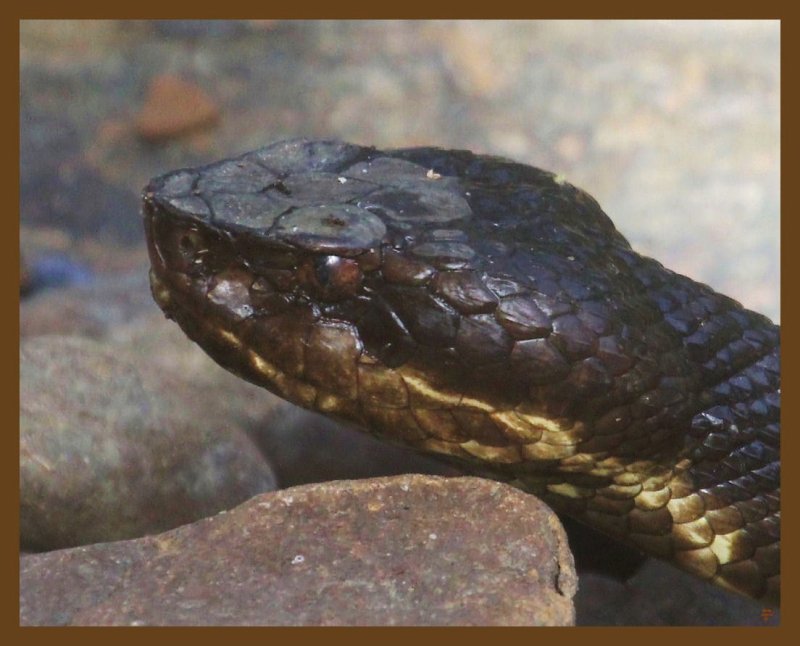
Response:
column 402, row 270
column 482, row 309
column 538, row 361
column 464, row 291
column 429, row 320
column 481, row 340
column 574, row 339
column 522, row 318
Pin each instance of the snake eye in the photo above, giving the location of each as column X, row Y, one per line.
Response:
column 336, row 277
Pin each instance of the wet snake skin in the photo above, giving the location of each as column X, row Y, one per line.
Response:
column 490, row 313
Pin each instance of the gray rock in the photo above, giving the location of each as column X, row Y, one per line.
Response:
column 109, row 450
column 690, row 602
column 202, row 388
column 408, row 550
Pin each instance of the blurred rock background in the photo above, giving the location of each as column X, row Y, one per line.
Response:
column 673, row 127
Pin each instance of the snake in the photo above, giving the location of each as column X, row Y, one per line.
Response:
column 487, row 312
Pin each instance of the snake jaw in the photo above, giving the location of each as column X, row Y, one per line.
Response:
column 160, row 292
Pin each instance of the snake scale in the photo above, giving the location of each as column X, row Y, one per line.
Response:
column 488, row 312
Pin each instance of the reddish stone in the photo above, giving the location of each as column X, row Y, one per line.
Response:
column 408, row 550
column 174, row 107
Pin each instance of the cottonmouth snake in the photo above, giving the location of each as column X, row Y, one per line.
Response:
column 488, row 312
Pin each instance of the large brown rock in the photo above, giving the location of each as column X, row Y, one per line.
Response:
column 407, row 550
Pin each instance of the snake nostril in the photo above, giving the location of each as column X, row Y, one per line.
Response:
column 189, row 243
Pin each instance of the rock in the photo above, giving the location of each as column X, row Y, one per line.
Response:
column 203, row 389
column 408, row 550
column 174, row 107
column 691, row 602
column 109, row 450
column 96, row 310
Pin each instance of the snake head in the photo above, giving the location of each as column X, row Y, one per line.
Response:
column 415, row 277
column 489, row 312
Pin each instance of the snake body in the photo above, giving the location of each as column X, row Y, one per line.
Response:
column 488, row 312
